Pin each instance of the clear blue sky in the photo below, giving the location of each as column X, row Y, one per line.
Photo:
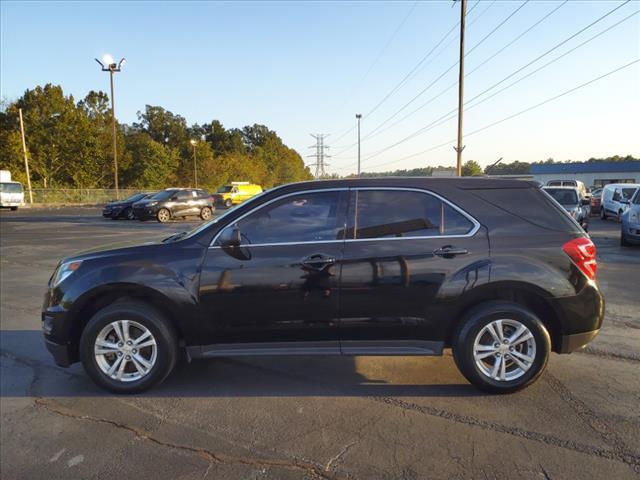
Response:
column 301, row 67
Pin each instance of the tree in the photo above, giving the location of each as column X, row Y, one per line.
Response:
column 151, row 164
column 471, row 168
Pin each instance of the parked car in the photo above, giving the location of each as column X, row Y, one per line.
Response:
column 235, row 193
column 175, row 203
column 596, row 193
column 630, row 231
column 569, row 198
column 124, row 208
column 11, row 195
column 583, row 191
column 493, row 268
column 615, row 199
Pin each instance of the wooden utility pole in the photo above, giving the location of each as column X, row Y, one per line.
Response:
column 460, row 147
column 26, row 159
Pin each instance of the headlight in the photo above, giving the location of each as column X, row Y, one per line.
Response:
column 151, row 204
column 63, row 271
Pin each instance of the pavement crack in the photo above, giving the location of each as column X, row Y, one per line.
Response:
column 211, row 457
column 616, row 454
column 336, row 458
column 598, row 352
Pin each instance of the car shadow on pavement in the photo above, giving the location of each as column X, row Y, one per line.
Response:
column 27, row 370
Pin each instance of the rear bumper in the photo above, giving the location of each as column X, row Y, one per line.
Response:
column 577, row 341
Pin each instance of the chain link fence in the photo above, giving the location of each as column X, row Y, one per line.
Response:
column 77, row 195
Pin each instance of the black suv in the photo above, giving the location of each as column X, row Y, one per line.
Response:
column 175, row 203
column 124, row 208
column 494, row 269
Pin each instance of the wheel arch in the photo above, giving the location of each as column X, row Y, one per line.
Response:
column 95, row 300
column 529, row 296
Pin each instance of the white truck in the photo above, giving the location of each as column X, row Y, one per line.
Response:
column 11, row 193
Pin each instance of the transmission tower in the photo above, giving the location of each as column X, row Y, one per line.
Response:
column 320, row 155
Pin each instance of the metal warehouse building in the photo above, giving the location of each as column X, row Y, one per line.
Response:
column 592, row 174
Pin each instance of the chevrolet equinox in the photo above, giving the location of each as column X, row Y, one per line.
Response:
column 494, row 269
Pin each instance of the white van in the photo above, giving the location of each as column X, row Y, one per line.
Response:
column 615, row 199
column 583, row 191
column 11, row 195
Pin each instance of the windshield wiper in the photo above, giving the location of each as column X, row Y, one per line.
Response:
column 174, row 237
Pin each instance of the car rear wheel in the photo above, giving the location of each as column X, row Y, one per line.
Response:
column 228, row 203
column 603, row 215
column 163, row 215
column 128, row 214
column 205, row 213
column 128, row 347
column 501, row 347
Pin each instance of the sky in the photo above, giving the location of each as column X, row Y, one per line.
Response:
column 309, row 67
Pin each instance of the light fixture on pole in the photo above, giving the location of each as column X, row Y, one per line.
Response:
column 358, row 116
column 195, row 165
column 109, row 65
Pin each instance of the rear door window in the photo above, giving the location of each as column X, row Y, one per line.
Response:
column 402, row 213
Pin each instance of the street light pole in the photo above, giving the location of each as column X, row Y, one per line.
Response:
column 358, row 116
column 110, row 66
column 195, row 164
column 460, row 147
column 26, row 160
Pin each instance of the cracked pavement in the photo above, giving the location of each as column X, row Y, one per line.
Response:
column 307, row 417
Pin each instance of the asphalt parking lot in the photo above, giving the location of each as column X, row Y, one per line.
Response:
column 307, row 417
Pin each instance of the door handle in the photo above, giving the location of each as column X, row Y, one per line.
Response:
column 449, row 251
column 318, row 261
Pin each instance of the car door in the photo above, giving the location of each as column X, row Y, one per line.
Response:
column 407, row 253
column 279, row 287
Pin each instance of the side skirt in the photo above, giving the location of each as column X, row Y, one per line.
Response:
column 357, row 347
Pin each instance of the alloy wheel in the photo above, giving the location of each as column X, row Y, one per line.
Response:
column 504, row 350
column 125, row 350
column 164, row 215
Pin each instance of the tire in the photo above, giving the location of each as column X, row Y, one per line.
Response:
column 603, row 215
column 623, row 240
column 137, row 314
column 13, row 209
column 128, row 214
column 163, row 215
column 619, row 217
column 228, row 203
column 206, row 213
column 478, row 371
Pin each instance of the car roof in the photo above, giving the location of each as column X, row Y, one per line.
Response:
column 465, row 183
column 559, row 187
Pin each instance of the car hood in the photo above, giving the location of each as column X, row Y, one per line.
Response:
column 113, row 249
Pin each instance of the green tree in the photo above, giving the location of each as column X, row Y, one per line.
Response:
column 471, row 168
column 151, row 164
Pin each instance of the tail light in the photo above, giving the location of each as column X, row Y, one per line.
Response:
column 582, row 252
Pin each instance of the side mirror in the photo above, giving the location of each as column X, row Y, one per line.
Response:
column 230, row 237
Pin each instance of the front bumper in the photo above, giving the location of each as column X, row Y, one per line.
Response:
column 146, row 213
column 631, row 232
column 62, row 353
column 577, row 341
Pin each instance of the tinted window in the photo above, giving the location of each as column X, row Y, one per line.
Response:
column 300, row 218
column 397, row 213
column 225, row 189
column 627, row 193
column 184, row 194
column 563, row 196
column 135, row 197
column 12, row 187
column 636, row 198
column 163, row 195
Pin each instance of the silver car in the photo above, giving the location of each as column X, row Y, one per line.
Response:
column 630, row 232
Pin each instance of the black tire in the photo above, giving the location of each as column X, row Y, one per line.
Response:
column 13, row 209
column 473, row 323
column 228, row 203
column 128, row 213
column 206, row 213
column 603, row 215
column 163, row 215
column 623, row 240
column 158, row 325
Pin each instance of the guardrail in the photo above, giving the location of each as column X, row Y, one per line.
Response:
column 78, row 195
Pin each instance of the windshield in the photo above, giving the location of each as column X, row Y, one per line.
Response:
column 564, row 196
column 225, row 189
column 636, row 198
column 12, row 187
column 163, row 195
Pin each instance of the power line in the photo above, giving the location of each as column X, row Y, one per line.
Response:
column 433, row 124
column 517, row 114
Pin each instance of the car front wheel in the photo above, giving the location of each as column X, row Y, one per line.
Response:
column 501, row 347
column 163, row 215
column 128, row 347
column 205, row 213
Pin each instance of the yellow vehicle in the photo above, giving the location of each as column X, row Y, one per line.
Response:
column 235, row 193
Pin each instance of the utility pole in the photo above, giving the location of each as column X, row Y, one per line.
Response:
column 26, row 160
column 460, row 147
column 320, row 155
column 110, row 66
column 195, row 165
column 358, row 116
